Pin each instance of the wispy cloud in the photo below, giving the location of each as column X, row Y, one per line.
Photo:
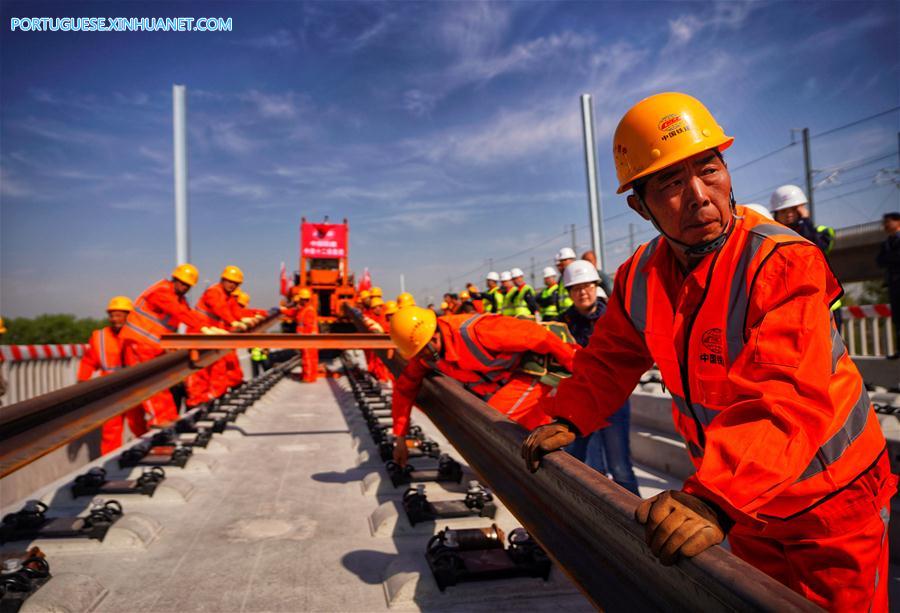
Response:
column 281, row 40
column 724, row 15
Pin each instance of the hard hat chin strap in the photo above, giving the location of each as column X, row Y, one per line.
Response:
column 700, row 249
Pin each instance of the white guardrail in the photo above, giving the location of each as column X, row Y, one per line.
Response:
column 868, row 330
column 33, row 370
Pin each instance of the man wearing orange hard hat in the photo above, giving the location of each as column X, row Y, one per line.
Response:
column 159, row 310
column 308, row 323
column 104, row 356
column 791, row 464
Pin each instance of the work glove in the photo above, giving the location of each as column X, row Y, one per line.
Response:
column 259, row 317
column 678, row 523
column 238, row 326
column 543, row 440
column 212, row 330
column 401, row 451
column 249, row 321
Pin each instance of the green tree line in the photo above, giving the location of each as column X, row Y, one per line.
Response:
column 50, row 329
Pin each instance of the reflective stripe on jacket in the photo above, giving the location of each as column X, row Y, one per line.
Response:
column 104, row 354
column 157, row 311
column 514, row 303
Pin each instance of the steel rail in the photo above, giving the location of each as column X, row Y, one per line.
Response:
column 586, row 522
column 277, row 341
column 33, row 428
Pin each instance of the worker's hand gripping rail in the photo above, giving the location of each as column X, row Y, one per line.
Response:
column 586, row 522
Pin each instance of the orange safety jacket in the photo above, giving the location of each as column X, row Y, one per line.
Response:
column 481, row 351
column 157, row 311
column 104, row 354
column 218, row 306
column 774, row 412
column 308, row 320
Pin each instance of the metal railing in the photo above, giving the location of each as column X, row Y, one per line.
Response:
column 585, row 522
column 31, row 378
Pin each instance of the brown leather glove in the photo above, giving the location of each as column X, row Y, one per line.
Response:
column 678, row 523
column 543, row 440
column 401, row 451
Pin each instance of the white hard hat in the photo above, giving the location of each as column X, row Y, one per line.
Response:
column 759, row 209
column 601, row 293
column 516, row 272
column 493, row 276
column 580, row 271
column 785, row 197
column 550, row 272
column 566, row 253
column 505, row 276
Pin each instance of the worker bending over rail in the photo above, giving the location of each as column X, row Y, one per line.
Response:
column 159, row 310
column 483, row 352
column 104, row 356
column 734, row 309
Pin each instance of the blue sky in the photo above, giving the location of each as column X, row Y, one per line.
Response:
column 448, row 133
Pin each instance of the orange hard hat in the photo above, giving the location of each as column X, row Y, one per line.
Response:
column 444, row 306
column 660, row 131
column 186, row 273
column 120, row 303
column 405, row 299
column 411, row 329
column 242, row 297
column 464, row 295
column 304, row 293
column 376, row 291
column 364, row 295
column 376, row 301
column 233, row 273
column 390, row 307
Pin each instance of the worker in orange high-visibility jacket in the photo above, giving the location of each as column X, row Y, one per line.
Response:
column 308, row 323
column 376, row 322
column 217, row 304
column 159, row 310
column 249, row 316
column 734, row 309
column 104, row 356
column 482, row 351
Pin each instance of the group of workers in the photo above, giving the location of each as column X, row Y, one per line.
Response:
column 736, row 308
column 133, row 335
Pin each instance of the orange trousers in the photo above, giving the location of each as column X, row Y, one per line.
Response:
column 211, row 382
column 835, row 554
column 111, row 432
column 160, row 409
column 310, row 363
column 522, row 400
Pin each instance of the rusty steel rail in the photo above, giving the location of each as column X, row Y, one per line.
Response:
column 586, row 522
column 33, row 428
column 277, row 341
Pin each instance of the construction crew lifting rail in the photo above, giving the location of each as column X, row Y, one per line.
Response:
column 735, row 305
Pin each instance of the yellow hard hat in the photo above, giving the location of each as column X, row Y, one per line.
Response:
column 445, row 306
column 376, row 291
column 376, row 301
column 120, row 303
column 242, row 297
column 364, row 295
column 464, row 295
column 405, row 299
column 2, row 326
column 304, row 293
column 661, row 130
column 390, row 307
column 411, row 329
column 233, row 273
column 186, row 273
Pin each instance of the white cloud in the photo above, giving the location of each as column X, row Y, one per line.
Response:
column 227, row 185
column 724, row 15
column 278, row 40
column 273, row 106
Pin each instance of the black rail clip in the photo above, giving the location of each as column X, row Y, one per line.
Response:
column 447, row 471
column 169, row 437
column 21, row 575
column 32, row 523
column 417, row 448
column 479, row 502
column 143, row 454
column 478, row 554
column 94, row 482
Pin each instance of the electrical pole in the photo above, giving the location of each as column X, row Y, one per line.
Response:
column 631, row 238
column 179, row 138
column 402, row 284
column 807, row 161
column 532, row 271
column 490, row 264
column 574, row 245
column 595, row 207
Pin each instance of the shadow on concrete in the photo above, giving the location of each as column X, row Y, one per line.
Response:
column 369, row 565
column 347, row 476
